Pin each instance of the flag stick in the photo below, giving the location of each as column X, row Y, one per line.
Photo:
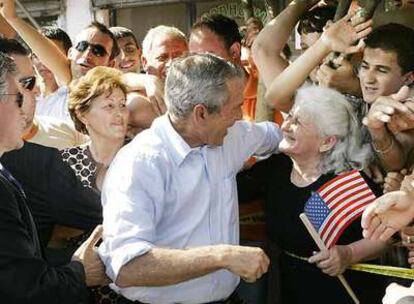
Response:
column 314, row 234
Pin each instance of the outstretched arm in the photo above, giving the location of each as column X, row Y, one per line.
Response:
column 392, row 149
column 161, row 266
column 6, row 30
column 390, row 212
column 339, row 37
column 268, row 45
column 45, row 50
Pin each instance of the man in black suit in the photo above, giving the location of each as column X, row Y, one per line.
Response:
column 24, row 276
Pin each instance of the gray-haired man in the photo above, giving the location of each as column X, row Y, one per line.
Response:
column 170, row 198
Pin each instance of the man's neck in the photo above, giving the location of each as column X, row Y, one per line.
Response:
column 187, row 131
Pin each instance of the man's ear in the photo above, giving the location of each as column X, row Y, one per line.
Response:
column 327, row 144
column 409, row 78
column 200, row 114
column 235, row 51
column 70, row 53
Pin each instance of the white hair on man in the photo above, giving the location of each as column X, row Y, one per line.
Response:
column 156, row 33
column 334, row 116
column 199, row 79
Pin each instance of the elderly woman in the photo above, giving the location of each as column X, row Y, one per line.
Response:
column 321, row 139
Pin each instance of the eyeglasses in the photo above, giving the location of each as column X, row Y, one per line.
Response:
column 28, row 83
column 19, row 98
column 97, row 49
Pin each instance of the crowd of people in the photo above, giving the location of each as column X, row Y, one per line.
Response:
column 176, row 170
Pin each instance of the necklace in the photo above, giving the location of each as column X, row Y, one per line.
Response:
column 96, row 159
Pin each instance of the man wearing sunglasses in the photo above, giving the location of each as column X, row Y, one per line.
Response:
column 42, row 130
column 24, row 276
column 94, row 46
column 25, row 75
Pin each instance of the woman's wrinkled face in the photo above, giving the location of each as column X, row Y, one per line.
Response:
column 107, row 116
column 300, row 134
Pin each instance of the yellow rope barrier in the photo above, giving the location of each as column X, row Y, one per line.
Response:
column 391, row 271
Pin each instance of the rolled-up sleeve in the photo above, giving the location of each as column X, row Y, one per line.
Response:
column 247, row 139
column 132, row 202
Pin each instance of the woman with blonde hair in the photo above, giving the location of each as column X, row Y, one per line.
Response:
column 97, row 105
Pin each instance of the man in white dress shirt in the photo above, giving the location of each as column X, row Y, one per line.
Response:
column 171, row 229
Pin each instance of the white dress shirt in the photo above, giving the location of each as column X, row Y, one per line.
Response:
column 160, row 192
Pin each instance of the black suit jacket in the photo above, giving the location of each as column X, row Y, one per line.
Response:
column 55, row 195
column 24, row 276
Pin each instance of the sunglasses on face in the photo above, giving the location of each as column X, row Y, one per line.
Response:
column 19, row 98
column 97, row 49
column 28, row 83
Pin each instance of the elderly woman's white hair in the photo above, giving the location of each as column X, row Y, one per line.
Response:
column 334, row 116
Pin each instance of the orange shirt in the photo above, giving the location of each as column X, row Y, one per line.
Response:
column 250, row 94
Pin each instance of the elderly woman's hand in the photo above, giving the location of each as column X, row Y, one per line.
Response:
column 334, row 261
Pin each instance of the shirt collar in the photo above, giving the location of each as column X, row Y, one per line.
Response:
column 177, row 146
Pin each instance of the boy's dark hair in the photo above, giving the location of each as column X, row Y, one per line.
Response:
column 395, row 38
column 315, row 20
column 103, row 29
column 56, row 33
column 12, row 46
column 224, row 27
column 123, row 32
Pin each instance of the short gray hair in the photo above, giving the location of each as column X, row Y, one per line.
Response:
column 7, row 67
column 335, row 116
column 198, row 79
column 156, row 33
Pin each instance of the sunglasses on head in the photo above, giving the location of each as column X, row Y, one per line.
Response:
column 28, row 83
column 97, row 49
column 19, row 98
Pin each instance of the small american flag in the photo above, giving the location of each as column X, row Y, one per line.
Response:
column 337, row 204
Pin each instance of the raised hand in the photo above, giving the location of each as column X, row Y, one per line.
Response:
column 154, row 88
column 8, row 9
column 341, row 35
column 341, row 78
column 385, row 107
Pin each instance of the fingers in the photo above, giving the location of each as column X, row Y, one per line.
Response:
column 360, row 27
column 411, row 258
column 319, row 257
column 393, row 181
column 369, row 221
column 387, row 234
column 376, row 235
column 402, row 94
column 95, row 236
